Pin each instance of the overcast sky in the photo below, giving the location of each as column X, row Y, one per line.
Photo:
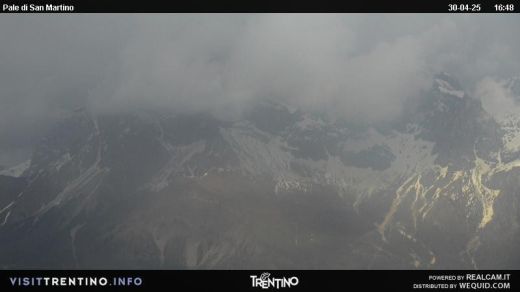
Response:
column 357, row 66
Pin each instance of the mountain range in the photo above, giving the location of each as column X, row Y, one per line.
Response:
column 278, row 188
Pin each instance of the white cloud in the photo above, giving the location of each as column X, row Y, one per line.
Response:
column 496, row 98
column 362, row 67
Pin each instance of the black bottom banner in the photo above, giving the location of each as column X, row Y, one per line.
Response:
column 258, row 280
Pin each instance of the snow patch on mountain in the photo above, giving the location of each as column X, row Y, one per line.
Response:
column 64, row 159
column 446, row 88
column 259, row 153
column 17, row 170
column 511, row 127
column 177, row 164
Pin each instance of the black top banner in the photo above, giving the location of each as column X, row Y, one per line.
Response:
column 251, row 6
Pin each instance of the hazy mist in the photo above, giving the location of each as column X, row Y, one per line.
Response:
column 358, row 66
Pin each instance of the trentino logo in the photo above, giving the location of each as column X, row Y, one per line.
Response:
column 265, row 281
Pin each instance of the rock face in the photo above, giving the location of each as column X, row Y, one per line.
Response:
column 278, row 188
